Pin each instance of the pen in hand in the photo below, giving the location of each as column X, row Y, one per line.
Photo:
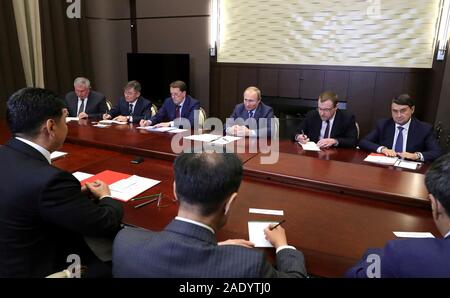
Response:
column 273, row 227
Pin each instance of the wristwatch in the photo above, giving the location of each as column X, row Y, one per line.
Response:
column 418, row 156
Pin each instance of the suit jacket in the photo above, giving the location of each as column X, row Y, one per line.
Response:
column 427, row 257
column 343, row 130
column 142, row 109
column 262, row 112
column 44, row 215
column 420, row 138
column 95, row 107
column 168, row 111
column 185, row 250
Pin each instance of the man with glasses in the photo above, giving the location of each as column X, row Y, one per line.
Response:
column 84, row 102
column 403, row 135
column 132, row 107
column 177, row 106
column 328, row 126
column 245, row 119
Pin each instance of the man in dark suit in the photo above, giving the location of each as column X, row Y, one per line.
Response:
column 252, row 117
column 328, row 126
column 44, row 211
column 426, row 257
column 403, row 135
column 132, row 107
column 206, row 186
column 175, row 108
column 84, row 102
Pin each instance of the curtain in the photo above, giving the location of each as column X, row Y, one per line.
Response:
column 29, row 33
column 65, row 46
column 12, row 76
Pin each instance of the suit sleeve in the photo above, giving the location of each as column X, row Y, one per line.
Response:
column 267, row 130
column 350, row 138
column 432, row 148
column 194, row 107
column 160, row 115
column 115, row 110
column 371, row 141
column 303, row 127
column 102, row 108
column 290, row 263
column 63, row 204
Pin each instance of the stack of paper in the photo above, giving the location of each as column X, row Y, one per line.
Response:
column 111, row 122
column 413, row 234
column 68, row 119
column 203, row 138
column 381, row 159
column 310, row 146
column 162, row 129
column 411, row 165
column 57, row 154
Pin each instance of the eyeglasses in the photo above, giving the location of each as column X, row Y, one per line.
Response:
column 328, row 110
column 159, row 198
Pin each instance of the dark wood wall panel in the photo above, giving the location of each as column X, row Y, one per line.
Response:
column 368, row 91
column 268, row 81
column 337, row 81
column 288, row 83
column 360, row 98
column 312, row 83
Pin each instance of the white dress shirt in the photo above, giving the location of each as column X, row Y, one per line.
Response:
column 42, row 150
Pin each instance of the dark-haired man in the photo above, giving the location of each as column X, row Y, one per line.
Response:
column 206, row 186
column 427, row 257
column 178, row 105
column 403, row 135
column 44, row 211
column 132, row 107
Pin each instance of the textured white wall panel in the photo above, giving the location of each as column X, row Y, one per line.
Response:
column 397, row 33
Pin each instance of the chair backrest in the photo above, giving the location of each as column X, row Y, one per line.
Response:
column 109, row 104
column 201, row 116
column 357, row 130
column 154, row 110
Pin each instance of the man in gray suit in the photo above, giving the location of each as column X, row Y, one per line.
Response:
column 84, row 102
column 206, row 186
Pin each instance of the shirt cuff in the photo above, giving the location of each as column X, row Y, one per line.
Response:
column 285, row 247
column 253, row 133
column 421, row 158
column 228, row 130
column 107, row 196
column 171, row 123
column 380, row 148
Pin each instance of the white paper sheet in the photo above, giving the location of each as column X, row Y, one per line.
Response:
column 156, row 129
column 256, row 233
column 57, row 154
column 385, row 160
column 177, row 130
column 101, row 125
column 310, row 146
column 111, row 122
column 225, row 140
column 203, row 138
column 413, row 234
column 126, row 189
column 81, row 176
column 266, row 211
column 412, row 165
column 68, row 119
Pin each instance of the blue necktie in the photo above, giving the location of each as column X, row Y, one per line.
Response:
column 399, row 142
column 130, row 109
column 250, row 114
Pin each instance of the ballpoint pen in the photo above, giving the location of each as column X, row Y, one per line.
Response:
column 146, row 197
column 271, row 228
column 146, row 203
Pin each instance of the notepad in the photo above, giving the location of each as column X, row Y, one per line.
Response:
column 381, row 159
column 256, row 233
column 413, row 234
column 310, row 146
column 156, row 129
column 411, row 165
column 266, row 211
column 112, row 122
column 203, row 138
column 57, row 154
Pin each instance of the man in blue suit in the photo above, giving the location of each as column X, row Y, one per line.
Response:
column 174, row 108
column 328, row 126
column 206, row 186
column 426, row 257
column 132, row 107
column 245, row 119
column 84, row 102
column 403, row 135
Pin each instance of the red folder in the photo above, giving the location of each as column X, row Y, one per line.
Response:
column 109, row 177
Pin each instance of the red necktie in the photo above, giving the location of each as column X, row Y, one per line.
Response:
column 177, row 112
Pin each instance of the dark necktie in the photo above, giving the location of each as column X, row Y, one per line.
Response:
column 399, row 142
column 81, row 109
column 327, row 130
column 250, row 114
column 177, row 112
column 130, row 109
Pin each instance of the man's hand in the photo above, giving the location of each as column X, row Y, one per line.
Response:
column 241, row 242
column 276, row 236
column 389, row 152
column 106, row 116
column 121, row 118
column 407, row 155
column 83, row 115
column 98, row 189
column 303, row 139
column 145, row 122
column 326, row 143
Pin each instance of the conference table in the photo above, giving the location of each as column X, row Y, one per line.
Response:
column 335, row 205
